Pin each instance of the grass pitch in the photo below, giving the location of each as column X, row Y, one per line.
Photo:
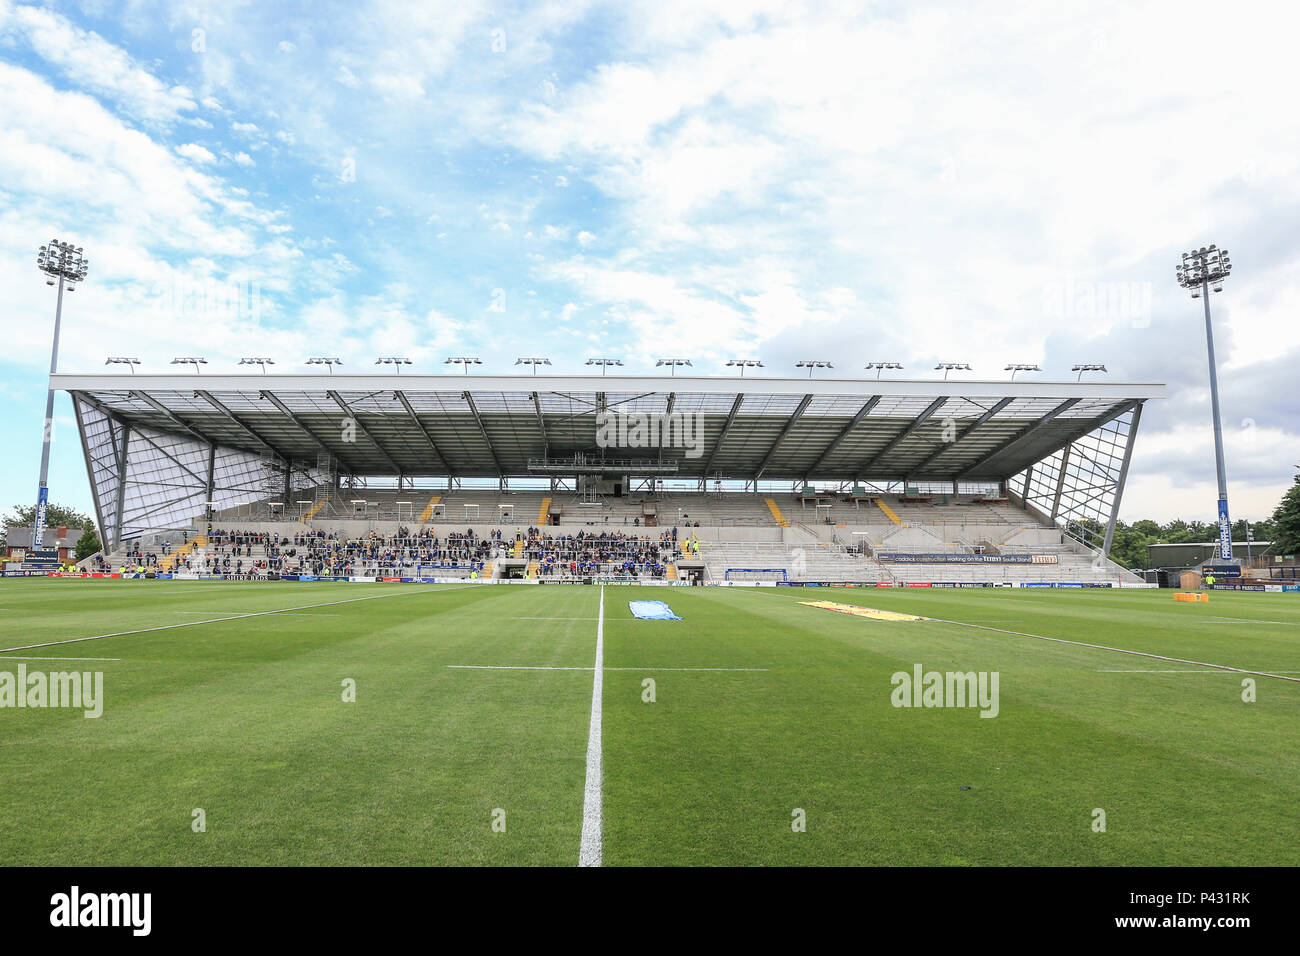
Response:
column 244, row 718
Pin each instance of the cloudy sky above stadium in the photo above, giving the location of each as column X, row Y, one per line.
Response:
column 914, row 183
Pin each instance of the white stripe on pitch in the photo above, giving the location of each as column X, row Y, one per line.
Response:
column 1122, row 650
column 20, row 658
column 217, row 620
column 1184, row 670
column 556, row 667
column 589, row 852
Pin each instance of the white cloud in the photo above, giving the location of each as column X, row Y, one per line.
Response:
column 196, row 153
column 95, row 64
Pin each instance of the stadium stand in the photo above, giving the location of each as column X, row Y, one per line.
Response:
column 825, row 480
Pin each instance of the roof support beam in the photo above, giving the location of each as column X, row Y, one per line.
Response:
column 104, row 528
column 668, row 410
column 1020, row 436
column 731, row 417
column 383, row 452
column 171, row 416
column 207, row 397
column 856, row 420
column 890, row 445
column 541, row 426
column 1121, row 480
column 1060, row 481
column 442, row 459
column 289, row 414
column 478, row 420
column 983, row 419
column 789, row 426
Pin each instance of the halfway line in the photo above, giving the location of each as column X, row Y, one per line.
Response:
column 554, row 667
column 589, row 852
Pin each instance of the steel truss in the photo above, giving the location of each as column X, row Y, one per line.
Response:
column 1080, row 486
column 145, row 481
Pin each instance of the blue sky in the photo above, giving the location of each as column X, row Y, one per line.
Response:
column 978, row 182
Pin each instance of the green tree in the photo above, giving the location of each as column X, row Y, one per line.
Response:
column 55, row 516
column 88, row 543
column 1286, row 521
column 1146, row 527
column 1261, row 530
column 1129, row 546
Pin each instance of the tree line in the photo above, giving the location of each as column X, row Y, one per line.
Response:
column 1129, row 546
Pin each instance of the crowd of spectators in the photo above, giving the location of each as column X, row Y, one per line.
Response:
column 324, row 553
column 243, row 553
column 588, row 553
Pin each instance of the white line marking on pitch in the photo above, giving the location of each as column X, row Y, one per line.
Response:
column 215, row 620
column 18, row 658
column 548, row 667
column 1119, row 650
column 1181, row 670
column 589, row 852
column 1251, row 620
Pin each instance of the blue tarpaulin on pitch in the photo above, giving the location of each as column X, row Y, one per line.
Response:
column 652, row 611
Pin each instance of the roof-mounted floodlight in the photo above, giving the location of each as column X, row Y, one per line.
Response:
column 952, row 367
column 672, row 363
column 465, row 360
column 743, row 364
column 534, row 362
column 1015, row 367
column 811, row 364
column 881, row 366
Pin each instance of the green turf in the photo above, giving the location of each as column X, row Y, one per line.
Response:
column 245, row 719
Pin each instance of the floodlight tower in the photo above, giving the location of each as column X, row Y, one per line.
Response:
column 62, row 261
column 329, row 363
column 605, row 363
column 1201, row 272
column 129, row 362
column 195, row 360
column 257, row 360
column 396, row 361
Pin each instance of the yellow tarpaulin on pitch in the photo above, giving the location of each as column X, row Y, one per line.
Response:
column 871, row 612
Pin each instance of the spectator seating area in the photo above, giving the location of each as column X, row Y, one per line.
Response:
column 463, row 532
